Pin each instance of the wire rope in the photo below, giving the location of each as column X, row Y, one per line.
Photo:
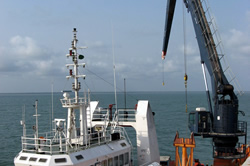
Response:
column 121, row 90
column 185, row 54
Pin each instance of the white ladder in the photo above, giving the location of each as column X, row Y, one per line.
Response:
column 220, row 48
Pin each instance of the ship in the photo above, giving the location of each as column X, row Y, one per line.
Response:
column 99, row 140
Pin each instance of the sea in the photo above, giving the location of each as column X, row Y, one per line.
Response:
column 169, row 108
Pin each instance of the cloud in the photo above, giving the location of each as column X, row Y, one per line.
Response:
column 24, row 47
column 238, row 43
column 235, row 38
column 23, row 55
column 170, row 66
column 190, row 50
column 237, row 48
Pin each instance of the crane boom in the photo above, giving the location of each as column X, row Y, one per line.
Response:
column 168, row 24
column 221, row 122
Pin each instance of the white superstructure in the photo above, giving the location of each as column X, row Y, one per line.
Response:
column 99, row 139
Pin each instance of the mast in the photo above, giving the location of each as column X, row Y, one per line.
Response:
column 23, row 123
column 76, row 102
column 36, row 127
column 75, row 86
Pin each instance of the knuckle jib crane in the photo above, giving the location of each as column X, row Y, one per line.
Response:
column 221, row 121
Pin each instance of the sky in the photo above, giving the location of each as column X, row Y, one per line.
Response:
column 35, row 37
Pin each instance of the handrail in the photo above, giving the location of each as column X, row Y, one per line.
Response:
column 229, row 152
column 124, row 115
column 73, row 101
column 51, row 144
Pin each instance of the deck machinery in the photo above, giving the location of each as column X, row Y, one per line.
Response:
column 221, row 121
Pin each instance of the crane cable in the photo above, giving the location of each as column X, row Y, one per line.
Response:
column 185, row 55
column 163, row 68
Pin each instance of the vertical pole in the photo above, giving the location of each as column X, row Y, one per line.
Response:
column 207, row 91
column 60, row 139
column 113, row 50
column 36, row 119
column 36, row 128
column 85, row 131
column 52, row 106
column 184, row 156
column 74, row 47
column 125, row 93
column 177, row 158
column 192, row 156
column 24, row 128
column 81, row 124
column 69, row 127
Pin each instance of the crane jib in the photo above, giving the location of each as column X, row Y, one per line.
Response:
column 168, row 24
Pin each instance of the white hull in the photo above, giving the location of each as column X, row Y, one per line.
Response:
column 114, row 152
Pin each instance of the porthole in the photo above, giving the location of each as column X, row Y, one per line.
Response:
column 60, row 160
column 23, row 158
column 42, row 160
column 33, row 159
column 79, row 157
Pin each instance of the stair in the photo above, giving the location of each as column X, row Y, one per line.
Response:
column 214, row 42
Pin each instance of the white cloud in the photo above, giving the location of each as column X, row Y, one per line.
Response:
column 170, row 66
column 23, row 55
column 237, row 48
column 121, row 67
column 190, row 50
column 24, row 47
column 238, row 43
column 235, row 38
column 96, row 44
column 43, row 67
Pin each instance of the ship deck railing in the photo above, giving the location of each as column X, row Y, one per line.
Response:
column 230, row 153
column 238, row 129
column 124, row 115
column 66, row 102
column 49, row 143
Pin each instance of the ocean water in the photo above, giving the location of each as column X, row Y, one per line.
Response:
column 169, row 108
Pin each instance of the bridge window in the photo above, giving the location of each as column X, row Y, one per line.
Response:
column 121, row 160
column 116, row 161
column 104, row 163
column 191, row 118
column 23, row 158
column 126, row 158
column 110, row 162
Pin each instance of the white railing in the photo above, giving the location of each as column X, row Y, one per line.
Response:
column 52, row 144
column 124, row 115
column 72, row 101
column 100, row 115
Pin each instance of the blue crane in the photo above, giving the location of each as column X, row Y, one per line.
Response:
column 221, row 121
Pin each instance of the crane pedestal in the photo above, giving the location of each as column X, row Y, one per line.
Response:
column 184, row 143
